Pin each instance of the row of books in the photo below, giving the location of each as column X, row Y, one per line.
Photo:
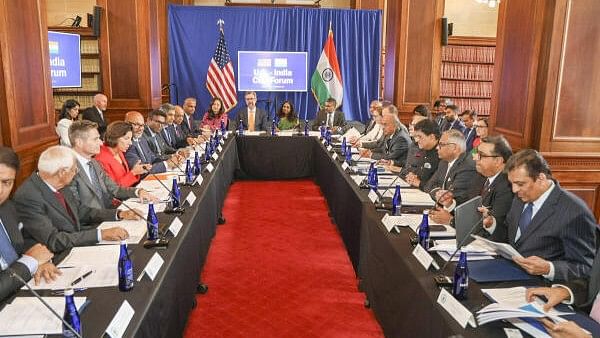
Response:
column 481, row 106
column 467, row 71
column 473, row 54
column 465, row 88
column 89, row 47
column 90, row 65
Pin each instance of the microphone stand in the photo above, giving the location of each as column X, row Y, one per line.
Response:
column 381, row 205
column 159, row 243
column 170, row 210
column 23, row 282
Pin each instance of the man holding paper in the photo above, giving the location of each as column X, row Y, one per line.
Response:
column 15, row 257
column 552, row 228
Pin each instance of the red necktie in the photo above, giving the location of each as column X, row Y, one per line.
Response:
column 61, row 198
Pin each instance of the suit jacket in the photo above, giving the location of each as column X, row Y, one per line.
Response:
column 369, row 127
column 261, row 122
column 422, row 163
column 46, row 221
column 180, row 136
column 563, row 231
column 338, row 120
column 145, row 155
column 498, row 197
column 394, row 148
column 456, row 124
column 118, row 172
column 82, row 188
column 190, row 130
column 464, row 181
column 470, row 136
column 10, row 220
column 163, row 148
column 92, row 114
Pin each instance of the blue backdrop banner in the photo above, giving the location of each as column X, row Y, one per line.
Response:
column 193, row 35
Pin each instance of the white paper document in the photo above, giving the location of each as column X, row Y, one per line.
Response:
column 135, row 229
column 503, row 249
column 142, row 208
column 88, row 276
column 414, row 197
column 92, row 255
column 414, row 221
column 27, row 315
column 392, row 180
column 353, row 132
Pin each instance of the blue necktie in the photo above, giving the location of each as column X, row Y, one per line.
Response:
column 6, row 249
column 98, row 187
column 525, row 217
column 140, row 150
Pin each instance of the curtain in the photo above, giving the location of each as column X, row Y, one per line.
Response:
column 193, row 35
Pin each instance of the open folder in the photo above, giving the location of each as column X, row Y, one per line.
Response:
column 497, row 270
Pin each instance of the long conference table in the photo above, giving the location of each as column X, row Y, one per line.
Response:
column 401, row 292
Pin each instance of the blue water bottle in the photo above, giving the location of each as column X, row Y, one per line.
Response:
column 189, row 173
column 223, row 130
column 197, row 165
column 375, row 183
column 343, row 150
column 152, row 223
column 71, row 316
column 349, row 154
column 305, row 127
column 273, row 131
column 125, row 269
column 241, row 128
column 322, row 130
column 396, row 201
column 460, row 284
column 207, row 152
column 175, row 195
column 424, row 230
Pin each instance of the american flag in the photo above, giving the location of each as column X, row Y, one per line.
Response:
column 220, row 79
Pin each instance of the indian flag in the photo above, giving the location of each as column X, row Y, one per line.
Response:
column 326, row 81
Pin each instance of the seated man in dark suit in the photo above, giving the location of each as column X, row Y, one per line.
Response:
column 330, row 117
column 15, row 257
column 451, row 120
column 469, row 117
column 553, row 229
column 52, row 215
column 455, row 181
column 189, row 125
column 182, row 139
column 153, row 134
column 421, row 166
column 91, row 184
column 252, row 117
column 96, row 112
column 140, row 152
column 394, row 148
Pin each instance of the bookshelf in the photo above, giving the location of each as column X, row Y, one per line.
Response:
column 91, row 78
column 467, row 73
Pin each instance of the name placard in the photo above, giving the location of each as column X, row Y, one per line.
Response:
column 372, row 195
column 117, row 326
column 220, row 148
column 191, row 198
column 210, row 168
column 152, row 268
column 198, row 180
column 388, row 222
column 175, row 226
column 215, row 156
column 456, row 309
column 345, row 166
column 422, row 256
column 329, row 148
column 334, row 156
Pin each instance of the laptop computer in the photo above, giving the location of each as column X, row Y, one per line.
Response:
column 465, row 217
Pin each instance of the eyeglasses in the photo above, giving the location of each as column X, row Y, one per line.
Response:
column 478, row 155
column 443, row 144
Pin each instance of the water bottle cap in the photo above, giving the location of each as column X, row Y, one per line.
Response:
column 124, row 242
column 425, row 212
column 69, row 292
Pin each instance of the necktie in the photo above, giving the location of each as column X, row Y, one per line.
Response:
column 485, row 188
column 251, row 116
column 98, row 187
column 61, row 198
column 167, row 136
column 140, row 150
column 177, row 132
column 330, row 120
column 9, row 255
column 525, row 218
column 595, row 313
column 158, row 150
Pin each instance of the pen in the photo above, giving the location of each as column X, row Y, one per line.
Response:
column 82, row 277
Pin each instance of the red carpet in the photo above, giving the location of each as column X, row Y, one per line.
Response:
column 278, row 268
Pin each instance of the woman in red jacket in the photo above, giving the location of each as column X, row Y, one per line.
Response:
column 116, row 142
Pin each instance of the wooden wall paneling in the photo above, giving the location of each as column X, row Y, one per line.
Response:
column 26, row 109
column 570, row 97
column 518, row 47
column 130, row 56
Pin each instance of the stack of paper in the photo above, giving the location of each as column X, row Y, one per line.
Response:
column 412, row 197
column 136, row 229
column 392, row 181
column 28, row 316
column 475, row 252
column 497, row 311
column 142, row 208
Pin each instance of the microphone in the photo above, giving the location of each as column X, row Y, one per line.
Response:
column 161, row 242
column 170, row 210
column 23, row 282
column 443, row 280
column 381, row 195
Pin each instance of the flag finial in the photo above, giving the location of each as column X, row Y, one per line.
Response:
column 330, row 26
column 220, row 23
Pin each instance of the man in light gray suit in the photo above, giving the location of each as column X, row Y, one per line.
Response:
column 91, row 184
column 51, row 215
column 552, row 228
column 253, row 118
